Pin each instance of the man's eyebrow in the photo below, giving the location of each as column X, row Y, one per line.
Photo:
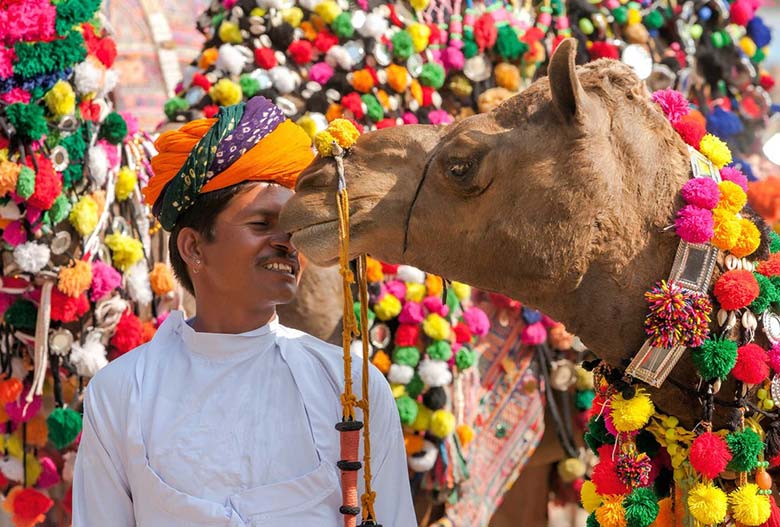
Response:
column 258, row 211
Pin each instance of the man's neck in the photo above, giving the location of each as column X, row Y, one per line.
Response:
column 216, row 317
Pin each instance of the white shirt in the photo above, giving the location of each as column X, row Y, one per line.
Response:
column 229, row 430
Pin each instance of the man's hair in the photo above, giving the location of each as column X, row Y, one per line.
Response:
column 201, row 217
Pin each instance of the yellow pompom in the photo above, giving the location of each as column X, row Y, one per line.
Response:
column 748, row 46
column 442, row 423
column 748, row 506
column 13, row 445
column 419, row 5
column 161, row 279
column 420, row 34
column 631, row 414
column 462, row 291
column 591, row 500
column 33, row 469
column 634, row 16
column 465, row 434
column 397, row 389
column 611, row 513
column 126, row 251
column 716, row 150
column 76, row 279
column 226, row 93
column 229, row 32
column 293, row 16
column 570, row 469
column 126, row 181
column 60, row 100
column 584, row 379
column 436, row 327
column 323, row 142
column 732, row 197
column 344, row 132
column 84, row 215
column 308, row 124
column 9, row 176
column 328, row 11
column 258, row 12
column 388, row 307
column 749, row 239
column 727, row 229
column 415, row 292
column 382, row 362
column 707, row 503
column 423, row 420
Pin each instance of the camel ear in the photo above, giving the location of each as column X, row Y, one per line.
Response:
column 567, row 93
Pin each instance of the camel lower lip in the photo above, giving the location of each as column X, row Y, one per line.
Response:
column 313, row 239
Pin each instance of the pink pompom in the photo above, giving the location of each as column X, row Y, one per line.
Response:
column 440, row 117
column 132, row 122
column 112, row 153
column 49, row 475
column 694, row 224
column 709, row 455
column 477, row 321
column 453, row 58
column 14, row 233
column 434, row 305
column 15, row 95
column 104, row 280
column 320, row 73
column 702, row 192
column 396, row 288
column 751, row 366
column 774, row 358
column 735, row 176
column 741, row 12
column 20, row 412
column 410, row 118
column 672, row 103
column 411, row 313
column 533, row 334
column 161, row 318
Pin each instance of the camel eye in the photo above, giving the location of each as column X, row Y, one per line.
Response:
column 459, row 168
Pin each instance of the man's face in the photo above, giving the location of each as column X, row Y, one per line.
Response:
column 250, row 260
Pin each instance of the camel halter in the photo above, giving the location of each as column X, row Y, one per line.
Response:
column 340, row 135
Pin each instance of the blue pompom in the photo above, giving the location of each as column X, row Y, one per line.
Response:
column 758, row 31
column 705, row 13
column 531, row 316
column 723, row 123
column 744, row 166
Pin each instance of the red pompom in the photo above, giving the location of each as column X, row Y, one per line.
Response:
column 106, row 51
column 751, row 366
column 485, row 32
column 48, row 184
column 533, row 35
column 325, row 40
column 603, row 50
column 89, row 111
column 129, row 333
column 709, row 455
column 462, row 333
column 389, row 268
column 690, row 131
column 210, row 110
column 741, row 12
column 770, row 267
column 354, row 104
column 265, row 58
column 605, row 477
column 29, row 506
column 65, row 308
column 406, row 335
column 301, row 51
column 386, row 123
column 767, row 82
column 201, row 81
column 736, row 289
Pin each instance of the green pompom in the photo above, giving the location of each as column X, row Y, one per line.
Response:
column 173, row 106
column 508, row 45
column 439, row 350
column 432, row 75
column 370, row 313
column 641, row 507
column 646, row 442
column 74, row 12
column 373, row 108
column 407, row 409
column 408, row 356
column 28, row 119
column 21, row 315
column 584, row 400
column 403, row 46
column 415, row 386
column 767, row 295
column 75, row 144
column 64, row 426
column 113, row 129
column 745, row 447
column 597, row 434
column 620, row 14
column 342, row 25
column 592, row 521
column 759, row 55
column 465, row 358
column 59, row 209
column 25, row 185
column 249, row 85
column 654, row 19
column 715, row 358
column 774, row 242
column 470, row 48
column 72, row 175
column 39, row 58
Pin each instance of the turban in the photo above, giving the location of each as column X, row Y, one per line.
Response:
column 250, row 141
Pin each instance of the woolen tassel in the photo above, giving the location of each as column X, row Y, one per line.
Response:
column 774, row 515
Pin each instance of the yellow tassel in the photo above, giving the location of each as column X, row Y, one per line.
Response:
column 748, row 506
column 631, row 414
column 707, row 503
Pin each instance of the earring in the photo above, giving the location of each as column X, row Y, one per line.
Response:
column 196, row 270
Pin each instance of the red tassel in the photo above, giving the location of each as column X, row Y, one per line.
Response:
column 774, row 515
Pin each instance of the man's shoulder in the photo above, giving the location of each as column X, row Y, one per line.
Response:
column 114, row 380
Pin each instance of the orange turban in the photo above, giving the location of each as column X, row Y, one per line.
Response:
column 250, row 141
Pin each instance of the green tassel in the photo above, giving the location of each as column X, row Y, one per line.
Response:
column 64, row 427
column 465, row 358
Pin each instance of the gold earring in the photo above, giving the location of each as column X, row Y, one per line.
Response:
column 196, row 269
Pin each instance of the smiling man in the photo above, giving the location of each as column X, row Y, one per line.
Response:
column 228, row 419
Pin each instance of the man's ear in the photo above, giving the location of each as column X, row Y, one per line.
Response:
column 190, row 242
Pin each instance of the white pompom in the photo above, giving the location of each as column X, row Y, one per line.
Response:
column 98, row 165
column 89, row 358
column 137, row 283
column 12, row 469
column 407, row 273
column 88, row 77
column 338, row 56
column 309, row 4
column 424, row 460
column 230, row 60
column 400, row 374
column 374, row 26
column 274, row 4
column 110, row 82
column 284, row 80
column 356, row 348
column 31, row 257
column 67, row 468
column 434, row 372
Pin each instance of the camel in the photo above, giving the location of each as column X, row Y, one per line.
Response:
column 559, row 198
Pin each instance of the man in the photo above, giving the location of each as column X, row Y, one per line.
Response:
column 228, row 419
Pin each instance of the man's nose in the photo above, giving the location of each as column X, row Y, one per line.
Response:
column 282, row 241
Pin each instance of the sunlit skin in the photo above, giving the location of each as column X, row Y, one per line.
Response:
column 235, row 291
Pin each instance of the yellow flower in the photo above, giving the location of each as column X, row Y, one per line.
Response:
column 716, row 150
column 161, row 279
column 732, row 197
column 76, row 279
column 84, row 215
column 60, row 100
column 749, row 239
column 126, row 251
column 126, row 181
column 226, row 93
column 388, row 307
column 436, row 327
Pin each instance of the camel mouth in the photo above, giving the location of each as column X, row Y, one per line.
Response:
column 318, row 241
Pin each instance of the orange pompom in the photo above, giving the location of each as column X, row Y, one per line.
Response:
column 413, row 443
column 434, row 285
column 397, row 77
column 148, row 331
column 10, row 390
column 770, row 267
column 161, row 279
column 37, row 432
column 465, row 434
column 665, row 517
column 335, row 111
column 362, row 81
column 208, row 58
column 374, row 270
column 382, row 361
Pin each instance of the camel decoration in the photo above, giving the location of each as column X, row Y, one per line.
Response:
column 563, row 196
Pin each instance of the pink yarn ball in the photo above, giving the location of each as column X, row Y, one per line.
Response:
column 673, row 104
column 320, row 73
column 694, row 224
column 410, row 118
column 702, row 192
column 132, row 122
column 112, row 153
column 453, row 58
column 49, row 475
column 434, row 305
column 14, row 233
column 15, row 95
column 104, row 280
column 774, row 358
column 440, row 117
column 533, row 334
column 33, row 214
column 19, row 411
column 734, row 175
column 477, row 321
column 396, row 288
column 741, row 12
column 411, row 313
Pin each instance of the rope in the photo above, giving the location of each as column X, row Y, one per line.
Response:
column 348, row 399
column 369, row 496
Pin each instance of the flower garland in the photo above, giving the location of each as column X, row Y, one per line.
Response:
column 650, row 468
